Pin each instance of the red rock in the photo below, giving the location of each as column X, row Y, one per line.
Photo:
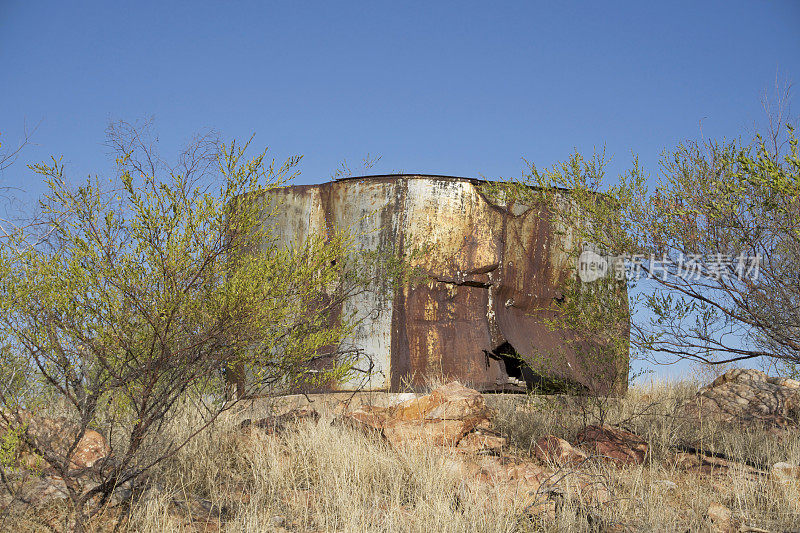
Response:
column 551, row 449
column 614, row 444
column 721, row 519
column 415, row 408
column 441, row 418
column 512, row 482
column 56, row 436
column 787, row 476
column 401, row 433
column 91, row 448
column 448, row 402
column 477, row 442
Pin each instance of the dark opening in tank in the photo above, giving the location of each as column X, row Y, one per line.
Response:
column 521, row 377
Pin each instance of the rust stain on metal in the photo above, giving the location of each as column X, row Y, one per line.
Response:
column 491, row 270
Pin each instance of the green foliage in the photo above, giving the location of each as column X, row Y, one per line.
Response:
column 715, row 200
column 146, row 271
column 591, row 318
column 10, row 444
column 134, row 293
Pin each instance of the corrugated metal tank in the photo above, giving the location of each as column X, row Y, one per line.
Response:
column 491, row 268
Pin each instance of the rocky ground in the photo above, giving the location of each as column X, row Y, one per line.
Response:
column 723, row 458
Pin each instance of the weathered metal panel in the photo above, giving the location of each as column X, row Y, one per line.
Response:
column 446, row 319
column 491, row 270
column 369, row 209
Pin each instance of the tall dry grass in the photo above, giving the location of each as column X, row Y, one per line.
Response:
column 317, row 477
column 321, row 476
column 661, row 495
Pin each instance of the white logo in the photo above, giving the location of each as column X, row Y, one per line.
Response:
column 591, row 266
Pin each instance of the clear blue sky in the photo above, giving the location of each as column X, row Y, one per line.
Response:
column 462, row 88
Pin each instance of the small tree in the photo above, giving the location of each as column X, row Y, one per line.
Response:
column 713, row 249
column 591, row 314
column 147, row 287
column 735, row 210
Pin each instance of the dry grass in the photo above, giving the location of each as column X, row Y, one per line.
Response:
column 320, row 476
column 644, row 497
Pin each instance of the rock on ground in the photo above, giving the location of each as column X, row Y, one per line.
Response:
column 787, row 477
column 750, row 395
column 56, row 435
column 509, row 481
column 620, row 446
column 442, row 418
column 710, row 465
column 551, row 449
column 278, row 423
column 456, row 417
column 720, row 519
column 785, row 474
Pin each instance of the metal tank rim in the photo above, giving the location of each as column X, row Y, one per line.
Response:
column 413, row 175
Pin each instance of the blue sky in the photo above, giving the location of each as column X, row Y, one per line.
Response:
column 461, row 88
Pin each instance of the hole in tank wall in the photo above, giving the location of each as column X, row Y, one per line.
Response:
column 524, row 379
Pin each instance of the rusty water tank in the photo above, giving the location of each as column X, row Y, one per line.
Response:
column 492, row 267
